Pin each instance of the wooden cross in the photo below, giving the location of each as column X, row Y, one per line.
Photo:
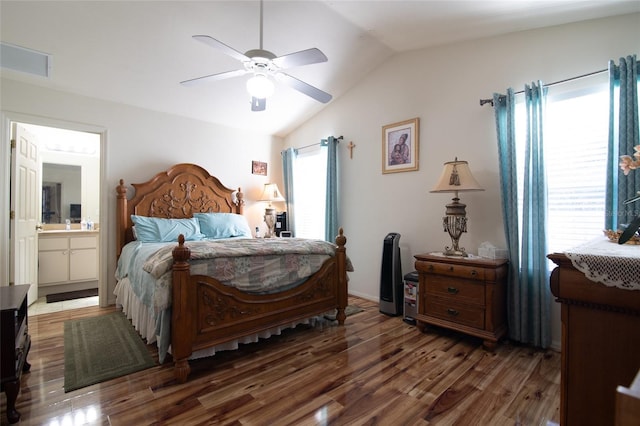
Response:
column 351, row 146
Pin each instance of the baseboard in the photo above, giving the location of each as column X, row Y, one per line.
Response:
column 364, row 296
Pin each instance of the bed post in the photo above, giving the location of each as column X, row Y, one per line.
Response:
column 341, row 256
column 181, row 329
column 121, row 217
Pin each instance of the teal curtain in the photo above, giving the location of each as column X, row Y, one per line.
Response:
column 331, row 204
column 526, row 234
column 624, row 133
column 504, row 107
column 288, row 159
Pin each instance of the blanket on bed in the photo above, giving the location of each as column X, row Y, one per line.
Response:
column 160, row 262
column 250, row 265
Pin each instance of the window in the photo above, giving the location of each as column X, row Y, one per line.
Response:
column 310, row 176
column 575, row 150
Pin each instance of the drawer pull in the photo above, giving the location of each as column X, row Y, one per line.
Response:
column 473, row 272
column 430, row 267
column 451, row 268
column 452, row 290
column 453, row 312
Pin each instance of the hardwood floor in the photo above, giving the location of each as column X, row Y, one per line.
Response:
column 377, row 370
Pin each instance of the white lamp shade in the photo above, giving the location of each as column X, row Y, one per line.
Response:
column 456, row 176
column 271, row 193
column 260, row 86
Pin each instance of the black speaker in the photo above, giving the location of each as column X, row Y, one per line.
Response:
column 391, row 283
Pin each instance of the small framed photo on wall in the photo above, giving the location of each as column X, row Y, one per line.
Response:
column 259, row 168
column 400, row 143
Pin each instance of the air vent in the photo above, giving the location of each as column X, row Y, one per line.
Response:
column 25, row 60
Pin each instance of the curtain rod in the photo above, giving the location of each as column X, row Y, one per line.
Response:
column 339, row 138
column 490, row 101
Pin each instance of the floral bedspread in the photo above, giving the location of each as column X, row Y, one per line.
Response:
column 251, row 265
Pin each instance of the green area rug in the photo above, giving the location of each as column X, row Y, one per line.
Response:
column 101, row 348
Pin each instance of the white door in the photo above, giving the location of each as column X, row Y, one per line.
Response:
column 25, row 209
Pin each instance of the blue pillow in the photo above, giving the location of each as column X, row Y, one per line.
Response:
column 223, row 225
column 158, row 230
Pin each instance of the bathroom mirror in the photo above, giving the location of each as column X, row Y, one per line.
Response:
column 61, row 193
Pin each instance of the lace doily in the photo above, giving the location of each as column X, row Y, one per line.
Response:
column 609, row 263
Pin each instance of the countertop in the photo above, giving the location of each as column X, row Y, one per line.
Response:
column 67, row 231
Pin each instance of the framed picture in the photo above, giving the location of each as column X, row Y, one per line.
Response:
column 259, row 168
column 400, row 143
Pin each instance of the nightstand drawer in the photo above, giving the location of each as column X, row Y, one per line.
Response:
column 460, row 314
column 466, row 291
column 458, row 271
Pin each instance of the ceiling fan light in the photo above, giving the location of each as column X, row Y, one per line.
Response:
column 260, row 86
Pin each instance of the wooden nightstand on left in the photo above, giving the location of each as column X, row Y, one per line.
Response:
column 15, row 341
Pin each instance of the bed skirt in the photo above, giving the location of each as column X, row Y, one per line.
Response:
column 146, row 325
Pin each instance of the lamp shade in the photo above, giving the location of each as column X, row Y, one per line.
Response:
column 271, row 193
column 456, row 177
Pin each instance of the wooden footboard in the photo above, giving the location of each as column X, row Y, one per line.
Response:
column 206, row 313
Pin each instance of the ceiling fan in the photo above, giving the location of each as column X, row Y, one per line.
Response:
column 265, row 66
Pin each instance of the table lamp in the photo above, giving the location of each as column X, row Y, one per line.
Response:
column 270, row 193
column 456, row 177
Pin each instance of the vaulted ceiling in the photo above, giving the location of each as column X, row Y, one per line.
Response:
column 137, row 52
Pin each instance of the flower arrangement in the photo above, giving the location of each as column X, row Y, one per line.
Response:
column 628, row 163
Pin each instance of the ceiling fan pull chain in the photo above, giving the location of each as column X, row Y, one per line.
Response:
column 261, row 20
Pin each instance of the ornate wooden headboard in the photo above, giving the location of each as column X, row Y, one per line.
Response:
column 177, row 193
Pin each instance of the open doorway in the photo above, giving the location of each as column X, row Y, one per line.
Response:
column 67, row 198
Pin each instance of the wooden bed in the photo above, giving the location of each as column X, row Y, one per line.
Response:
column 205, row 312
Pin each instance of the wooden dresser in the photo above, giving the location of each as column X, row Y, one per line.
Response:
column 463, row 294
column 600, row 343
column 15, row 343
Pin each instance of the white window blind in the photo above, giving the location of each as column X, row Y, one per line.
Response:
column 310, row 180
column 575, row 155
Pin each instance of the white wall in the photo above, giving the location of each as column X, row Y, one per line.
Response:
column 137, row 144
column 442, row 86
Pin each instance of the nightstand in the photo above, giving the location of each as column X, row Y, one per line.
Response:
column 16, row 343
column 463, row 294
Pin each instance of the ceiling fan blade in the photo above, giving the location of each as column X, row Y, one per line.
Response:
column 222, row 47
column 214, row 77
column 258, row 104
column 305, row 88
column 303, row 57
